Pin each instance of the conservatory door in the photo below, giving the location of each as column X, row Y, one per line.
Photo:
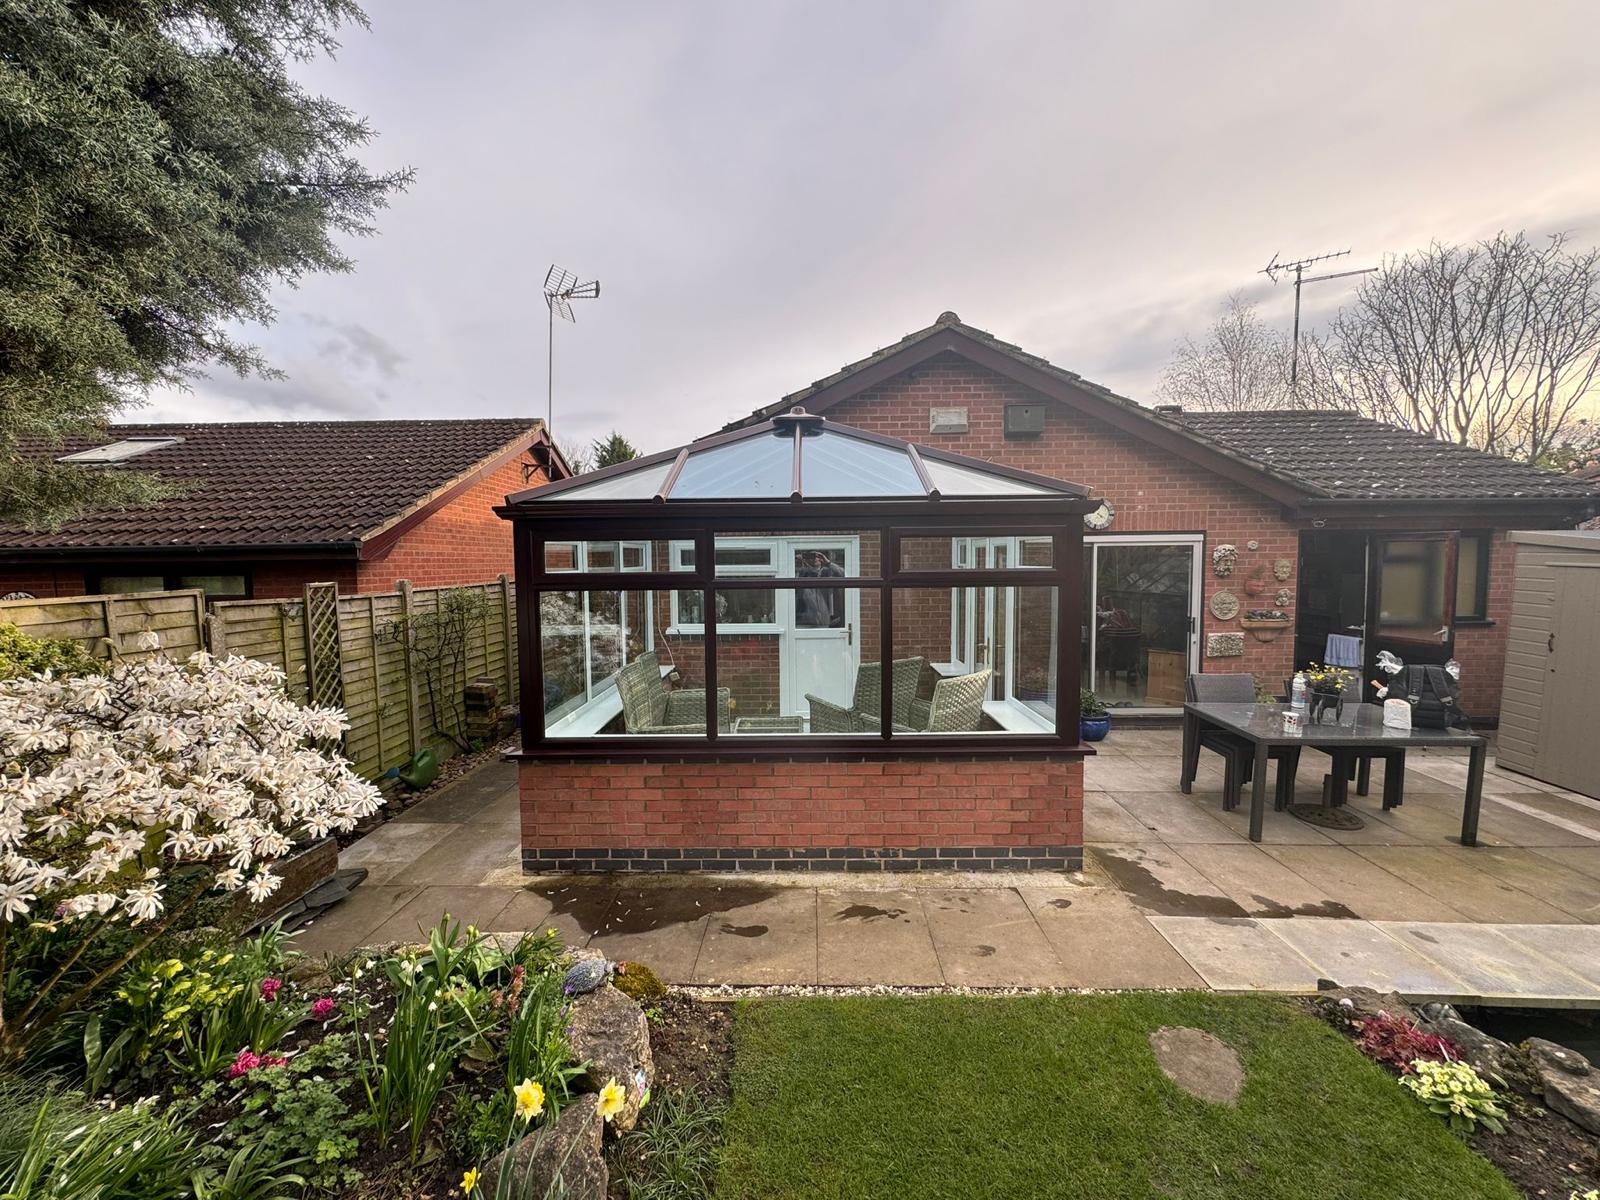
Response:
column 822, row 642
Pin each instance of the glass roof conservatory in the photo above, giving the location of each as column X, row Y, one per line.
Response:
column 795, row 586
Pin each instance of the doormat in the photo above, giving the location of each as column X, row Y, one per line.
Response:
column 1327, row 818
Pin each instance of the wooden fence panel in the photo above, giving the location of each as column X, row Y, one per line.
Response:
column 98, row 623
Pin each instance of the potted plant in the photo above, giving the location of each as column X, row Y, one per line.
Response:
column 1265, row 624
column 1094, row 719
column 1327, row 686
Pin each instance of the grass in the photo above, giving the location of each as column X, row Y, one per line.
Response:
column 1060, row 1096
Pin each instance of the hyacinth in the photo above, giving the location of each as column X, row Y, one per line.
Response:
column 107, row 782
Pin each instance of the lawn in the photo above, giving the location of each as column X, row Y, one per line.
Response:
column 1060, row 1096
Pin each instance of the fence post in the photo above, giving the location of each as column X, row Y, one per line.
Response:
column 413, row 715
column 509, row 615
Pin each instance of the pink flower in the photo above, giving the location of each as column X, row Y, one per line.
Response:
column 323, row 1009
column 269, row 989
column 244, row 1064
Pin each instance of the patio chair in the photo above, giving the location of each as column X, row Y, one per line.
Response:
column 862, row 715
column 956, row 706
column 1238, row 756
column 648, row 707
column 1357, row 765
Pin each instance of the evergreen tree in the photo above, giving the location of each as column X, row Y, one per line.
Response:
column 611, row 450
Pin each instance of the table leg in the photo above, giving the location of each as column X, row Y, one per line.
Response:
column 1340, row 776
column 1394, row 780
column 1469, row 814
column 1191, row 752
column 1258, row 792
column 1363, row 774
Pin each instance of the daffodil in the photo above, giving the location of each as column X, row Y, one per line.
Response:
column 469, row 1181
column 530, row 1099
column 612, row 1098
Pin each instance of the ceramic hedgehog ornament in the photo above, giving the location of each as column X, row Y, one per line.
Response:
column 587, row 975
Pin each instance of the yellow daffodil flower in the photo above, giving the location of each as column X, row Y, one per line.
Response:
column 530, row 1099
column 469, row 1181
column 612, row 1098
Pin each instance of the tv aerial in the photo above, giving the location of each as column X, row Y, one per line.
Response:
column 1298, row 269
column 561, row 288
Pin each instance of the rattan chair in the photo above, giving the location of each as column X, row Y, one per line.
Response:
column 862, row 715
column 956, row 706
column 649, row 707
column 1238, row 756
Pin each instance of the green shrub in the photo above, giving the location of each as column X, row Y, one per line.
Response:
column 21, row 654
column 672, row 1154
column 1090, row 705
column 1457, row 1093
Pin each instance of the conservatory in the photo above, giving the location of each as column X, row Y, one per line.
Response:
column 796, row 591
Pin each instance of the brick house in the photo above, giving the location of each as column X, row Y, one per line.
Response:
column 272, row 506
column 1338, row 522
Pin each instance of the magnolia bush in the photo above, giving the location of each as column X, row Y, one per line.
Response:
column 110, row 782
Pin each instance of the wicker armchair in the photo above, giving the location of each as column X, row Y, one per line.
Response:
column 648, row 707
column 862, row 715
column 956, row 706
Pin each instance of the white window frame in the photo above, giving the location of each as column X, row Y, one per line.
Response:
column 772, row 570
column 1196, row 598
column 592, row 688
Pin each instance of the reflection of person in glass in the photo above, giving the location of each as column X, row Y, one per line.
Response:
column 819, row 608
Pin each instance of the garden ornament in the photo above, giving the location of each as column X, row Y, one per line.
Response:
column 1223, row 558
column 587, row 975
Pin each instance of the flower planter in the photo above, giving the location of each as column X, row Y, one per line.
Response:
column 1266, row 630
column 1093, row 729
column 303, row 871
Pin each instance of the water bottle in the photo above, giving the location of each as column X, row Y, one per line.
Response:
column 1298, row 691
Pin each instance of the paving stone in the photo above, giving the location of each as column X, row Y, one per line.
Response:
column 1103, row 941
column 1105, row 821
column 346, row 925
column 1171, row 818
column 1362, row 886
column 1200, row 1063
column 1575, row 947
column 1237, row 954
column 773, row 940
column 989, row 938
column 875, row 937
column 1276, row 829
column 1457, row 875
column 661, row 927
column 465, row 856
column 1583, row 859
column 397, row 841
column 1571, row 891
column 1358, row 954
column 1157, row 880
column 1262, row 886
column 466, row 905
column 574, row 910
column 1493, row 965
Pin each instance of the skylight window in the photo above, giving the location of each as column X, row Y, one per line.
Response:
column 117, row 452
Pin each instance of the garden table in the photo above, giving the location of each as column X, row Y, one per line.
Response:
column 1360, row 728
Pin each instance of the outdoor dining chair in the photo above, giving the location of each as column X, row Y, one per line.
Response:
column 955, row 707
column 1238, row 757
column 862, row 716
column 649, row 707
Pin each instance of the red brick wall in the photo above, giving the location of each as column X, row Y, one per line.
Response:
column 1152, row 490
column 464, row 542
column 990, row 808
column 37, row 579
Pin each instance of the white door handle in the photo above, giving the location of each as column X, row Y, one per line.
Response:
column 1444, row 633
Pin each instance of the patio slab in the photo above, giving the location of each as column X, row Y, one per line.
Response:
column 1571, row 891
column 773, row 940
column 1364, row 887
column 1575, row 948
column 466, row 855
column 662, row 927
column 1583, row 859
column 1457, row 876
column 468, row 905
column 1170, row 817
column 1494, row 967
column 1238, row 954
column 1157, row 880
column 1359, row 954
column 1103, row 941
column 1260, row 884
column 349, row 923
column 397, row 842
column 989, row 939
column 875, row 937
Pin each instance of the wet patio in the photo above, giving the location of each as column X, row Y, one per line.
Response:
column 1173, row 895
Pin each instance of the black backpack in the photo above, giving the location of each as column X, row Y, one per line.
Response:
column 1435, row 697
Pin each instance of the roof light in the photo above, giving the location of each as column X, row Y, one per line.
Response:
column 121, row 451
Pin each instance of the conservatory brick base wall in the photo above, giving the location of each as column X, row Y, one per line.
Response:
column 949, row 813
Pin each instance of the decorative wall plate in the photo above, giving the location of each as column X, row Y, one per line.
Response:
column 1224, row 605
column 1252, row 544
column 1283, row 597
column 1224, row 645
column 1282, row 569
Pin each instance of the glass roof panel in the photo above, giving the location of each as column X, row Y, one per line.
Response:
column 640, row 484
column 953, row 480
column 835, row 465
column 753, row 468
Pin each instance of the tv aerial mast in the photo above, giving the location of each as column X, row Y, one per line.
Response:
column 1298, row 268
column 561, row 288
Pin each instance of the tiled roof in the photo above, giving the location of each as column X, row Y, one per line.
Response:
column 1347, row 457
column 292, row 483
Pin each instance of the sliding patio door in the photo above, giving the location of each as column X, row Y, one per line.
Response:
column 1142, row 619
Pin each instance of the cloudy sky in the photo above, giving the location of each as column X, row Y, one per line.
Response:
column 769, row 190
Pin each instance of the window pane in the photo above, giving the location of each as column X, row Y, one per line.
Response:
column 221, row 586
column 612, row 556
column 975, row 553
column 754, row 468
column 1411, row 586
column 835, row 465
column 1470, row 599
column 1141, row 611
column 607, row 671
column 806, row 676
column 1007, row 681
column 132, row 583
column 641, row 483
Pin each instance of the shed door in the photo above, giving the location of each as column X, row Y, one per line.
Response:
column 1569, row 752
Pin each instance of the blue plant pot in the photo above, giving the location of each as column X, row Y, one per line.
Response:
column 1093, row 729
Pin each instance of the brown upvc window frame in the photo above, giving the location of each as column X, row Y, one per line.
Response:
column 701, row 522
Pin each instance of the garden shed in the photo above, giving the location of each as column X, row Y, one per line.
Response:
column 743, row 652
column 1550, row 709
